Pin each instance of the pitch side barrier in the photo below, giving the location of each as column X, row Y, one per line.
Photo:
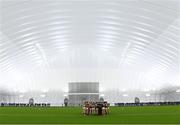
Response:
column 25, row 105
column 148, row 104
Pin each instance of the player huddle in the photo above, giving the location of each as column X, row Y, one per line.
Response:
column 95, row 107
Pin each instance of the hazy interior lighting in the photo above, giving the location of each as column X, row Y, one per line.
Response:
column 21, row 96
column 148, row 94
column 65, row 95
column 102, row 95
column 178, row 90
column 101, row 90
column 125, row 95
column 43, row 95
column 123, row 90
column 45, row 90
column 23, row 91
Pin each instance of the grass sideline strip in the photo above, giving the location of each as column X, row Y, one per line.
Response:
column 73, row 115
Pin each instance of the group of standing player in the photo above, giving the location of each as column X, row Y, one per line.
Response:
column 93, row 107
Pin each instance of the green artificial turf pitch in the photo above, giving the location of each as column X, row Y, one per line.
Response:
column 73, row 115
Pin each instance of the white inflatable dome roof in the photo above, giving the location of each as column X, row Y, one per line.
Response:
column 122, row 44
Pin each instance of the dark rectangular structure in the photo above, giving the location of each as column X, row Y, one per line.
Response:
column 83, row 91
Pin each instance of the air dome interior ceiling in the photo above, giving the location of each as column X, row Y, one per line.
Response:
column 123, row 44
